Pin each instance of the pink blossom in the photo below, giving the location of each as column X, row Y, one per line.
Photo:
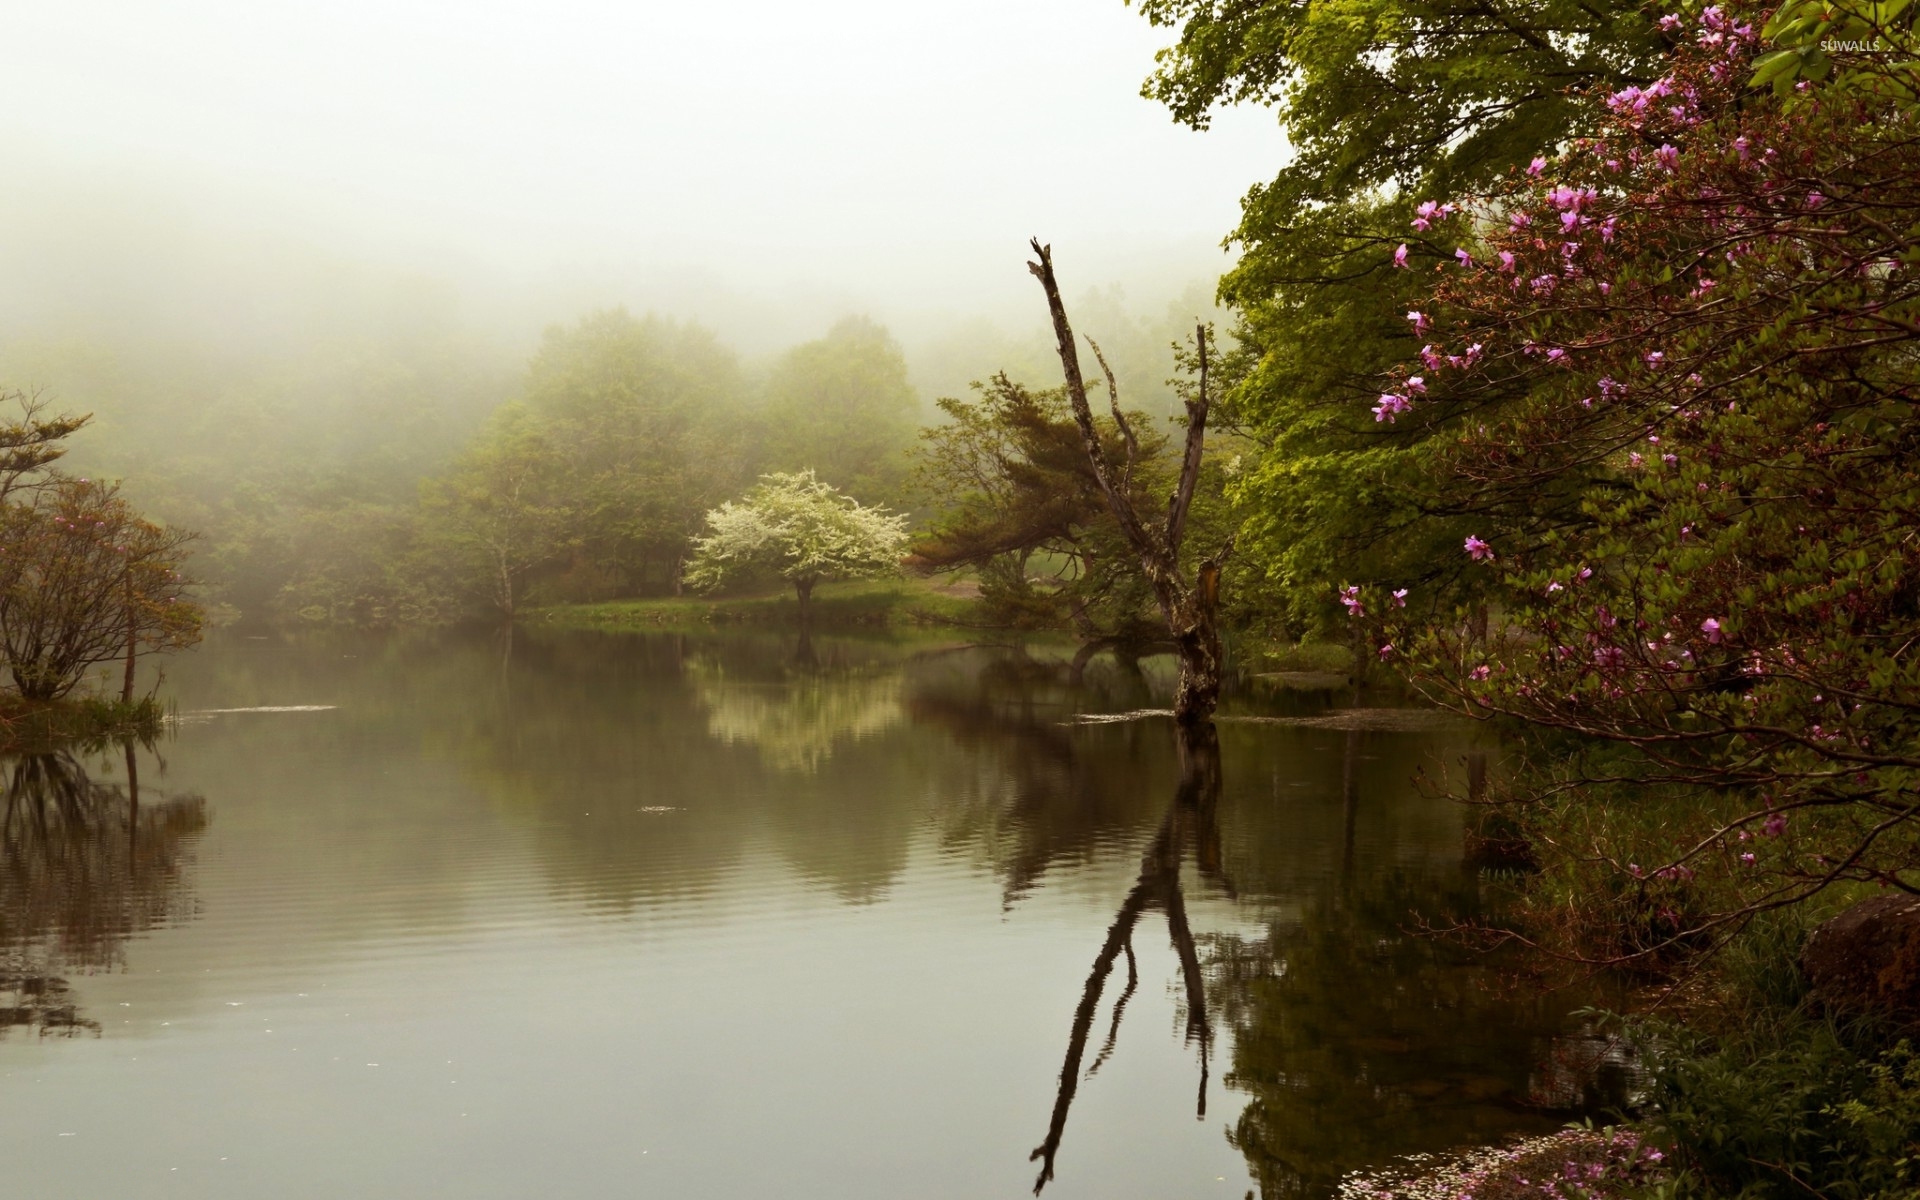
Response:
column 1815, row 199
column 1536, row 166
column 1775, row 825
column 1506, row 261
column 1416, row 385
column 1711, row 628
column 1463, row 258
column 1390, row 407
column 1429, row 212
column 1479, row 672
column 1350, row 596
column 1519, row 220
column 1747, row 858
column 1386, row 652
column 1400, row 256
column 1418, row 319
column 1667, row 156
column 1477, row 549
column 1400, row 597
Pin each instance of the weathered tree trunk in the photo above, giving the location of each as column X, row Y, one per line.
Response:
column 1189, row 606
column 804, row 589
column 506, row 587
column 133, row 644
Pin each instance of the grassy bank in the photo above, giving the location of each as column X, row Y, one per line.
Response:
column 859, row 604
column 27, row 725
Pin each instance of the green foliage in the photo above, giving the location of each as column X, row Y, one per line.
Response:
column 643, row 420
column 1019, row 504
column 1680, row 398
column 1788, row 1107
column 1384, row 102
column 842, row 408
column 85, row 580
column 1801, row 30
column 270, row 453
column 502, row 511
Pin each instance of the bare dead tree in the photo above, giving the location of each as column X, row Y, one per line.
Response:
column 1189, row 603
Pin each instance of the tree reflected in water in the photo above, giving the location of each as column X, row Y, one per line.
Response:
column 679, row 775
column 84, row 865
column 1189, row 823
column 795, row 722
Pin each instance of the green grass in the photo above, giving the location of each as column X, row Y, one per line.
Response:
column 90, row 721
column 863, row 603
column 1299, row 657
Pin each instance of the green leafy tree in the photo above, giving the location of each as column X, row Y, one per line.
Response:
column 842, row 408
column 1694, row 334
column 1011, row 475
column 801, row 530
column 85, row 580
column 502, row 512
column 1384, row 105
column 646, row 416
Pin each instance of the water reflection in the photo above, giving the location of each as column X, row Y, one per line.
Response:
column 1189, row 821
column 797, row 719
column 1350, row 1038
column 84, row 865
column 843, row 841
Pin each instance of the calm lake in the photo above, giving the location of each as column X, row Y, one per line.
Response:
column 725, row 916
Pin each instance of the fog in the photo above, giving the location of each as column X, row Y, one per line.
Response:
column 211, row 168
column 319, row 273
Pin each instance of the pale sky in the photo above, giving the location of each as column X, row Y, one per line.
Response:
column 884, row 156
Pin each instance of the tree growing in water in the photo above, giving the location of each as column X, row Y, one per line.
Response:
column 800, row 529
column 1190, row 603
column 85, row 580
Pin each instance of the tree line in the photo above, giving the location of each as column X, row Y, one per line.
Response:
column 594, row 481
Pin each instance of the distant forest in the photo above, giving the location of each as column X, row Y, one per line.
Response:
column 430, row 475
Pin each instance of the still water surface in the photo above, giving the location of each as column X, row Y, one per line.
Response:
column 599, row 915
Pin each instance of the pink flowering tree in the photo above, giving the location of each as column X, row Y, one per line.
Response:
column 1674, row 372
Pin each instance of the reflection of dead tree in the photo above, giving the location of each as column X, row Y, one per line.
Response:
column 1189, row 821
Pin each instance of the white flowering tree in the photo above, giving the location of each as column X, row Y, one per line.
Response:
column 800, row 529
